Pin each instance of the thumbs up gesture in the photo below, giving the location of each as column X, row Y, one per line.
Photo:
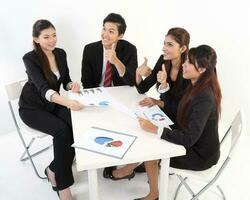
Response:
column 162, row 75
column 144, row 70
column 110, row 54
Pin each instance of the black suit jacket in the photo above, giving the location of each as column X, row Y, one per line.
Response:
column 200, row 136
column 92, row 62
column 33, row 93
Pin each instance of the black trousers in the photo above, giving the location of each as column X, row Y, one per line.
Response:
column 57, row 124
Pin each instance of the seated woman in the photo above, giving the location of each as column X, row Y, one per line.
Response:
column 167, row 75
column 197, row 116
column 44, row 109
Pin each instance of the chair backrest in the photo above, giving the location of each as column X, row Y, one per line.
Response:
column 235, row 131
column 14, row 90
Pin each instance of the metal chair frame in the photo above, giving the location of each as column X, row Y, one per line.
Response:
column 13, row 91
column 235, row 130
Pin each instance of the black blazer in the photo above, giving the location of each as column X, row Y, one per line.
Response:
column 200, row 137
column 171, row 98
column 92, row 62
column 33, row 93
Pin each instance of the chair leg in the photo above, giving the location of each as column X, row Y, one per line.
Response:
column 28, row 146
column 189, row 189
column 221, row 191
column 29, row 156
column 183, row 182
column 178, row 188
column 195, row 196
column 32, row 163
column 205, row 188
column 22, row 158
column 23, row 141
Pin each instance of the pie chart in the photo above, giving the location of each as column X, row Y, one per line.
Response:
column 108, row 142
column 103, row 140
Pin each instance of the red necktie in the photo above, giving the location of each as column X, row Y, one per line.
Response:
column 107, row 77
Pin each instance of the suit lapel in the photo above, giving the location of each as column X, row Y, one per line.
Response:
column 118, row 51
column 99, row 60
column 59, row 64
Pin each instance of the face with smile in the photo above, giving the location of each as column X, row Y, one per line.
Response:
column 171, row 49
column 191, row 72
column 110, row 34
column 47, row 39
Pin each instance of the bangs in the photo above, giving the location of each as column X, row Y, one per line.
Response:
column 192, row 55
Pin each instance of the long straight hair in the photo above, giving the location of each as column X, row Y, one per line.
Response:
column 182, row 37
column 38, row 27
column 201, row 57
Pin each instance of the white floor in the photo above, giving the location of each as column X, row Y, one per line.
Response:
column 18, row 181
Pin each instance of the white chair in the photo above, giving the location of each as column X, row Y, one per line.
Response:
column 13, row 91
column 210, row 176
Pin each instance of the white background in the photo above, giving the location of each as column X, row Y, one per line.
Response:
column 221, row 24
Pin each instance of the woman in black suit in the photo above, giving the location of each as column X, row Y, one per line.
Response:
column 44, row 109
column 197, row 116
column 167, row 75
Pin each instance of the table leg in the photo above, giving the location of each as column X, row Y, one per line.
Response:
column 93, row 184
column 164, row 173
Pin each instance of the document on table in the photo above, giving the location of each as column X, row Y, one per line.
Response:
column 154, row 114
column 122, row 108
column 92, row 97
column 101, row 98
column 106, row 142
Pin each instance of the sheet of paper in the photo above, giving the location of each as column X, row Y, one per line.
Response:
column 154, row 114
column 107, row 142
column 92, row 97
column 120, row 107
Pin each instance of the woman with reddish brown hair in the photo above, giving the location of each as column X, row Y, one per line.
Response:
column 167, row 73
column 197, row 118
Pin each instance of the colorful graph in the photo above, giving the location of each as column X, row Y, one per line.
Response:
column 158, row 117
column 108, row 142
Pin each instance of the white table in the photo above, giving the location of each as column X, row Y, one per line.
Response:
column 146, row 147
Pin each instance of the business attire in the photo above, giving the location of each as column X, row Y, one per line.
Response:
column 171, row 97
column 199, row 137
column 36, row 111
column 93, row 62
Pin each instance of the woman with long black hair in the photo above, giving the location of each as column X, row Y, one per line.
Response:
column 43, row 108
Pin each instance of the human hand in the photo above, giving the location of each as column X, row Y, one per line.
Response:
column 147, row 125
column 148, row 101
column 74, row 105
column 162, row 75
column 74, row 87
column 110, row 54
column 144, row 70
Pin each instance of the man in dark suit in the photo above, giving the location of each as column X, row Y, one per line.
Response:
column 111, row 52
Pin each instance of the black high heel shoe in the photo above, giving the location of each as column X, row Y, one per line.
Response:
column 53, row 187
column 130, row 176
column 140, row 168
column 107, row 171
